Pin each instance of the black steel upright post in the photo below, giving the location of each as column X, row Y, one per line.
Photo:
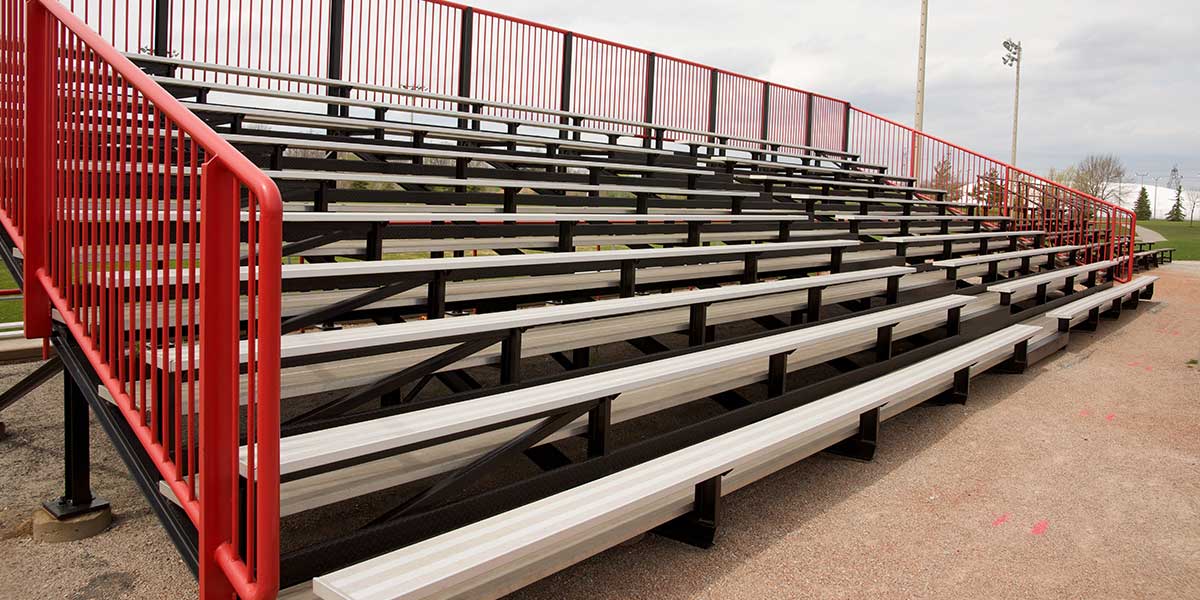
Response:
column 846, row 129
column 162, row 28
column 568, row 62
column 466, row 44
column 808, row 119
column 337, row 29
column 648, row 108
column 766, row 115
column 712, row 103
column 77, row 495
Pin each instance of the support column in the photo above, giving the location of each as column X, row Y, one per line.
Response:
column 77, row 514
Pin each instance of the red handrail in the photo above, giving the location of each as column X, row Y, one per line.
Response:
column 1067, row 215
column 119, row 175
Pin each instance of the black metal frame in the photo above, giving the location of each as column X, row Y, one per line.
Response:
column 80, row 377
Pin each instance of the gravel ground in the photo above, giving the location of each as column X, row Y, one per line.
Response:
column 1080, row 479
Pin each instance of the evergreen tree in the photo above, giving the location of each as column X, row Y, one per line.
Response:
column 1142, row 208
column 1176, row 213
column 944, row 179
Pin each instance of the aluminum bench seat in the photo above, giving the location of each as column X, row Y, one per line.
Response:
column 360, row 479
column 1007, row 289
column 953, row 265
column 492, row 263
column 326, row 100
column 334, row 374
column 449, row 152
column 878, row 172
column 838, row 183
column 1089, row 308
column 911, row 217
column 332, row 342
column 904, row 203
column 718, row 149
column 957, row 237
column 323, row 122
column 467, row 244
column 491, row 217
column 295, row 303
column 987, row 258
column 419, row 428
column 564, row 186
column 494, row 551
column 485, row 263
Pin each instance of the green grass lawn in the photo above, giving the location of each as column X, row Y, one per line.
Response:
column 10, row 310
column 1183, row 237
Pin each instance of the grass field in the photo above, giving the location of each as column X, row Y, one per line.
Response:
column 1183, row 237
column 10, row 310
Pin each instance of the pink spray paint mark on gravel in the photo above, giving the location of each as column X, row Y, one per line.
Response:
column 1002, row 519
column 1040, row 527
column 1084, row 413
column 1110, row 416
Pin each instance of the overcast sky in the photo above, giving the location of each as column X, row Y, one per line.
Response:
column 1098, row 75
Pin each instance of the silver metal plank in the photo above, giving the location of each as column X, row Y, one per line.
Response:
column 297, row 175
column 1079, row 307
column 987, row 258
column 468, row 556
column 329, row 446
column 450, row 153
column 1007, row 287
column 320, row 342
column 910, row 239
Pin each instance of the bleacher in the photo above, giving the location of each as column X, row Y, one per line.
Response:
column 513, row 337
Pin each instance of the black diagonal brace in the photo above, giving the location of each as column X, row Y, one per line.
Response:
column 463, row 477
column 337, row 309
column 395, row 381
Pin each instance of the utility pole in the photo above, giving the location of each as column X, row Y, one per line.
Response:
column 1013, row 59
column 919, row 121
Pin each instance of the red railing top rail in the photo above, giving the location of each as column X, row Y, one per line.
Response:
column 251, row 176
column 1039, row 178
column 483, row 11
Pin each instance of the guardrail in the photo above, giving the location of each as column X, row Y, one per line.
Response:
column 122, row 181
column 1067, row 216
column 444, row 49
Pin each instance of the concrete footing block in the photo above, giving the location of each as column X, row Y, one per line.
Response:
column 51, row 530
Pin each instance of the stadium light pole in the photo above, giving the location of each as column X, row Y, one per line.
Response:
column 1154, row 203
column 919, row 121
column 1013, row 59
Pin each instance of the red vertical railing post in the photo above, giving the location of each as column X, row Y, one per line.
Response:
column 39, row 164
column 219, row 366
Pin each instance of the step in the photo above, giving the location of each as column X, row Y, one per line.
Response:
column 469, row 558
